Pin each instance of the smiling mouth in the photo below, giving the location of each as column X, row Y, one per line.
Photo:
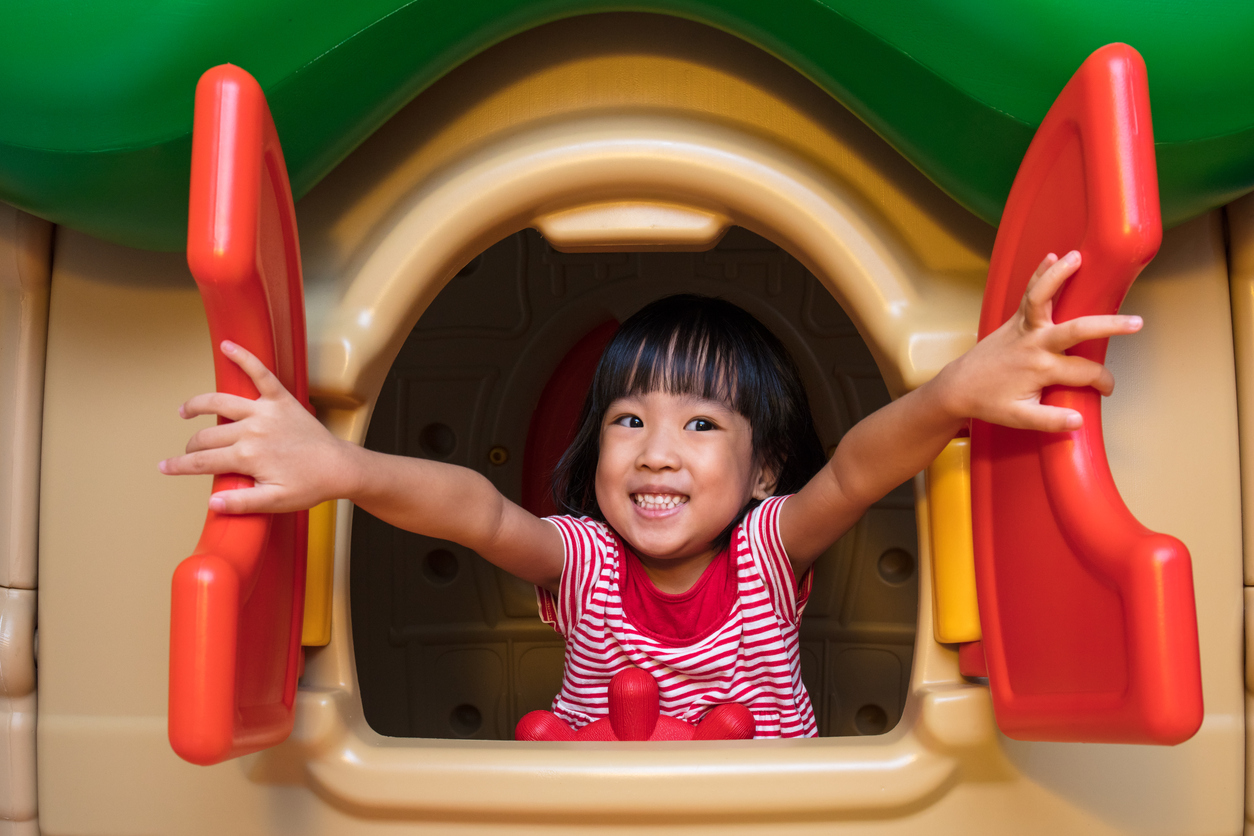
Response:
column 658, row 501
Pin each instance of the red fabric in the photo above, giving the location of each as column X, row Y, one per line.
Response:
column 684, row 618
column 752, row 656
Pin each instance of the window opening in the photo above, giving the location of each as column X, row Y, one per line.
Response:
column 447, row 645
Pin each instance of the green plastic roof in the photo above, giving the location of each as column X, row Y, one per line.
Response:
column 96, row 97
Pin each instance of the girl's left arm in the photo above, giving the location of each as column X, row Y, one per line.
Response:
column 999, row 381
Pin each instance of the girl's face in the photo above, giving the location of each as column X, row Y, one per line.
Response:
column 674, row 470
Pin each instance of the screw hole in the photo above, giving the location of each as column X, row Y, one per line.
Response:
column 870, row 719
column 465, row 720
column 440, row 567
column 896, row 566
column 437, row 440
column 498, row 455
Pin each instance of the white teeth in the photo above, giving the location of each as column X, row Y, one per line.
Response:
column 658, row 501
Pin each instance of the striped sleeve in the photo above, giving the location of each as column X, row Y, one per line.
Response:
column 583, row 554
column 761, row 527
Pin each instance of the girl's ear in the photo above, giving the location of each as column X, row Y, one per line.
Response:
column 768, row 475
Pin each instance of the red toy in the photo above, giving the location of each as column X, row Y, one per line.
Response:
column 1089, row 628
column 634, row 715
column 237, row 602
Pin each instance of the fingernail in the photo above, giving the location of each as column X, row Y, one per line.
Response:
column 1135, row 321
column 227, row 345
column 217, row 503
column 161, row 465
column 1074, row 421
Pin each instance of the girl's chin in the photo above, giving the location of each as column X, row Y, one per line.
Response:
column 663, row 542
column 649, row 534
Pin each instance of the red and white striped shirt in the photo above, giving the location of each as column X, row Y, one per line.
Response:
column 752, row 657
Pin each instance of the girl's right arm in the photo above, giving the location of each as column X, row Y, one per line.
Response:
column 296, row 464
column 1000, row 380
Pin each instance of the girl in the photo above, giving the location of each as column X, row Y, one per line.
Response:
column 698, row 494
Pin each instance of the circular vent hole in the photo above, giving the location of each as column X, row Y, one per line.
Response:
column 440, row 567
column 870, row 719
column 896, row 566
column 465, row 720
column 437, row 440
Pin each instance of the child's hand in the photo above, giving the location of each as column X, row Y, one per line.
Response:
column 1001, row 378
column 295, row 462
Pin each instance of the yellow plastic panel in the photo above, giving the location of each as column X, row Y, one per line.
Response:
column 956, row 616
column 319, row 572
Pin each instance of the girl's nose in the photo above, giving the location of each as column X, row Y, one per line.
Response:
column 659, row 451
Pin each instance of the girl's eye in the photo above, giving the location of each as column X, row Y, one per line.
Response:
column 700, row 425
column 629, row 421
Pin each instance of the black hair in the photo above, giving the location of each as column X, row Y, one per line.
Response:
column 704, row 346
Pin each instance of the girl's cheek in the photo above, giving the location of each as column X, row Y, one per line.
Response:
column 605, row 479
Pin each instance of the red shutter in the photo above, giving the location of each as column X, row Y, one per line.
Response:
column 237, row 601
column 556, row 417
column 1088, row 618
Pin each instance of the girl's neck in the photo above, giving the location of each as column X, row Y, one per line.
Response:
column 676, row 575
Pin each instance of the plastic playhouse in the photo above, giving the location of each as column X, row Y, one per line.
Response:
column 428, row 220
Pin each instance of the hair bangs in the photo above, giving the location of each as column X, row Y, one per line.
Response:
column 689, row 360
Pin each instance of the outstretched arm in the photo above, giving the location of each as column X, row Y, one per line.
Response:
column 999, row 381
column 296, row 463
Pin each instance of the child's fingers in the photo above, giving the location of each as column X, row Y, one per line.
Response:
column 265, row 381
column 1041, row 269
column 1050, row 419
column 1080, row 371
column 210, row 438
column 1064, row 335
column 1047, row 262
column 1044, row 286
column 231, row 407
column 217, row 460
column 261, row 499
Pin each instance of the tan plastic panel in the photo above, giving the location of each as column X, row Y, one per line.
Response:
column 1249, row 707
column 1241, row 243
column 17, row 642
column 1240, row 215
column 19, row 828
column 25, row 263
column 906, row 321
column 639, row 110
column 382, row 234
column 17, row 707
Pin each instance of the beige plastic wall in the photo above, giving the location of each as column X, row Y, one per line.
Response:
column 640, row 112
column 25, row 263
column 1240, row 216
